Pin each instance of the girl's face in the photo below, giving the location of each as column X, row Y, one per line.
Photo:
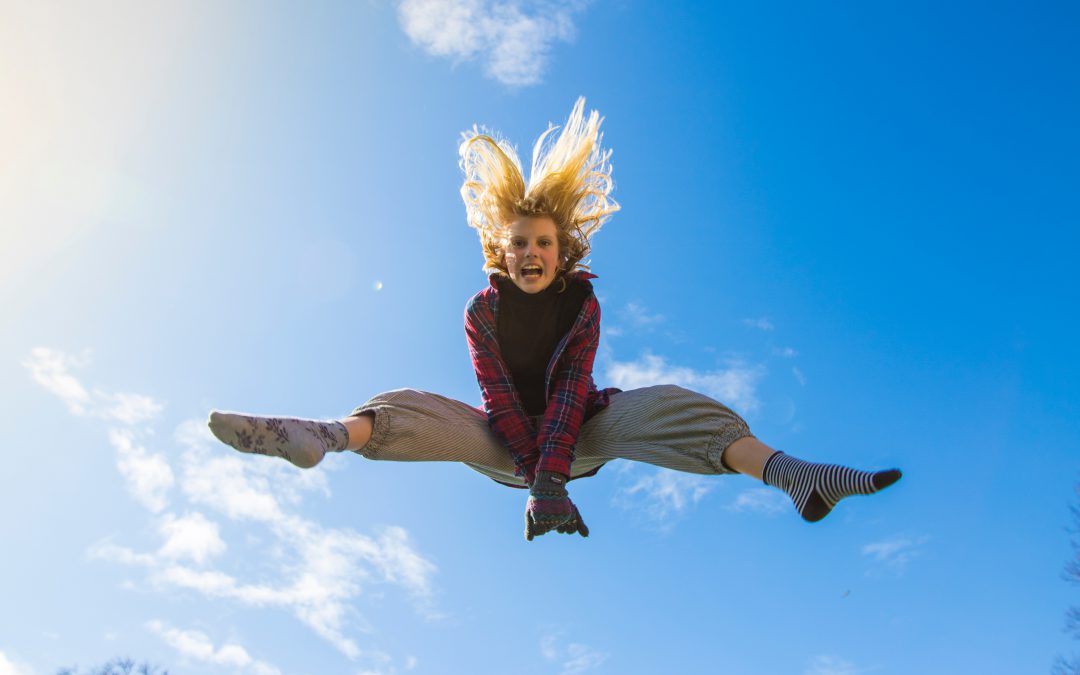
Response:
column 531, row 253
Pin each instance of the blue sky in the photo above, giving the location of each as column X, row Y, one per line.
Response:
column 854, row 223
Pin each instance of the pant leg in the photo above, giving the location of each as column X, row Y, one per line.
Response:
column 665, row 425
column 418, row 426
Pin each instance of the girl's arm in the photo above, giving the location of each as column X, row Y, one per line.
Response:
column 506, row 415
column 569, row 396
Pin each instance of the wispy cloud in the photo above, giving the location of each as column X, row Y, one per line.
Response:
column 512, row 40
column 320, row 571
column 316, row 573
column 640, row 316
column 896, row 552
column 825, row 664
column 10, row 667
column 767, row 501
column 573, row 657
column 192, row 537
column 798, row 375
column 786, row 352
column 148, row 475
column 197, row 645
column 734, row 386
column 50, row 367
column 662, row 495
column 761, row 323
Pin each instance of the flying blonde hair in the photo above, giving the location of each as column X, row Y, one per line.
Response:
column 570, row 181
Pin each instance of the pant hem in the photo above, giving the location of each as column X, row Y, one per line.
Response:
column 728, row 434
column 380, row 429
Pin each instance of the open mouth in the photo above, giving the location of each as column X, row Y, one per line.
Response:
column 532, row 272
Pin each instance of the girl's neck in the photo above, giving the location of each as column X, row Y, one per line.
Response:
column 507, row 286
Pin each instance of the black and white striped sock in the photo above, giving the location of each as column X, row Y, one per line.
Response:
column 816, row 488
column 302, row 442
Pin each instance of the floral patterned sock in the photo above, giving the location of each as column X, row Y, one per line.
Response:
column 302, row 442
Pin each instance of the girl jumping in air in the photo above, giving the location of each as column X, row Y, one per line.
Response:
column 533, row 334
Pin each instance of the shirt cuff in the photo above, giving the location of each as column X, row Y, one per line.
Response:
column 556, row 463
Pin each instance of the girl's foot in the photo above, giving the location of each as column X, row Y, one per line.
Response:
column 302, row 442
column 816, row 488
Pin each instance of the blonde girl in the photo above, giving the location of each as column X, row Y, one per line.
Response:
column 533, row 333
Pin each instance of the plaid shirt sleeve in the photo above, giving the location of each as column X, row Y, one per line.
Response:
column 506, row 415
column 569, row 392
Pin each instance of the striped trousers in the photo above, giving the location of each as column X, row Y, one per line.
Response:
column 664, row 425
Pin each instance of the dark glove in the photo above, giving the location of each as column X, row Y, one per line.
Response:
column 575, row 526
column 550, row 508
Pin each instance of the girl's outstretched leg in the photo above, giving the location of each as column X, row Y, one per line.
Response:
column 403, row 425
column 302, row 442
column 815, row 488
column 359, row 428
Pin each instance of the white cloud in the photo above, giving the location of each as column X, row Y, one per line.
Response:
column 830, row 665
column 50, row 368
column 663, row 494
column 315, row 573
column 581, row 658
column 324, row 570
column 640, row 316
column 896, row 552
column 191, row 536
column 761, row 323
column 148, row 476
column 106, row 550
column 734, row 386
column 9, row 667
column 786, row 352
column 382, row 664
column 798, row 375
column 512, row 40
column 768, row 501
column 197, row 645
column 549, row 646
column 127, row 408
column 231, row 484
column 574, row 657
column 214, row 583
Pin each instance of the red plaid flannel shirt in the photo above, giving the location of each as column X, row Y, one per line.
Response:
column 570, row 392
